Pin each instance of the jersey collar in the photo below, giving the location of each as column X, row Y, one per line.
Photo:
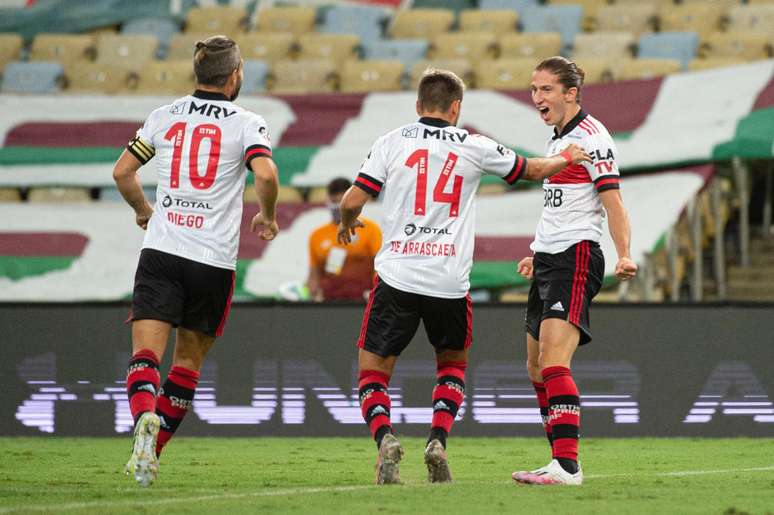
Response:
column 571, row 125
column 209, row 95
column 435, row 122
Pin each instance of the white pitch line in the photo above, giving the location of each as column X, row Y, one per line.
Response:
column 327, row 489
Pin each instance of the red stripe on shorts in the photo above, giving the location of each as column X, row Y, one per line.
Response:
column 226, row 311
column 469, row 313
column 579, row 281
column 367, row 314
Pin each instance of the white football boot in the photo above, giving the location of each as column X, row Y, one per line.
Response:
column 144, row 465
column 551, row 474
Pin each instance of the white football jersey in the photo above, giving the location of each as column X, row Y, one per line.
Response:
column 428, row 173
column 203, row 144
column 572, row 210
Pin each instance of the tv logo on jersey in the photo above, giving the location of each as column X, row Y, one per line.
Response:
column 552, row 198
column 410, row 229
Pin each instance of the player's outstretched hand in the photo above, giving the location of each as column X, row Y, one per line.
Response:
column 576, row 154
column 266, row 229
column 625, row 269
column 525, row 268
column 345, row 233
column 143, row 216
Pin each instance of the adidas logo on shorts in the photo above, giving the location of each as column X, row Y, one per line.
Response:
column 557, row 307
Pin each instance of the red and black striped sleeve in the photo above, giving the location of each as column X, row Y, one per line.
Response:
column 517, row 172
column 607, row 182
column 254, row 151
column 368, row 184
column 143, row 151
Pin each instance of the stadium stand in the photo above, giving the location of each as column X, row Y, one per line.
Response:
column 610, row 45
column 10, row 195
column 268, row 46
column 752, row 18
column 708, row 63
column 463, row 45
column 505, row 73
column 497, row 22
column 702, row 19
column 35, row 77
column 10, row 48
column 220, row 19
column 564, row 19
column 407, row 51
column 646, row 68
column 590, row 9
column 255, row 74
column 514, row 5
column 334, row 47
column 681, row 46
column 366, row 76
column 296, row 20
column 58, row 195
column 367, row 22
column 162, row 28
column 298, row 77
column 637, row 19
column 462, row 67
column 535, row 45
column 62, row 48
column 421, row 23
column 96, row 78
column 163, row 78
column 738, row 46
column 127, row 51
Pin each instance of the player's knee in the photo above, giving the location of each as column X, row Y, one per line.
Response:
column 533, row 370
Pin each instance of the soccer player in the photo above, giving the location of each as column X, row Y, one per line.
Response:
column 203, row 144
column 429, row 171
column 568, row 267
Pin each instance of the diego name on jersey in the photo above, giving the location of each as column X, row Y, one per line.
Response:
column 572, row 210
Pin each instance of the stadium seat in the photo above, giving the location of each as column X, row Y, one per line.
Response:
column 463, row 45
column 514, row 5
column 408, row 51
column 421, row 23
column 256, row 73
column 534, row 45
column 507, row 73
column 657, row 4
column 564, row 19
column 217, row 19
column 111, row 194
column 268, row 46
column 335, row 47
column 682, row 46
column 636, row 19
column 32, row 77
column 296, row 20
column 58, row 195
column 95, row 78
column 738, row 45
column 461, row 67
column 183, row 45
column 10, row 48
column 497, row 22
column 612, row 45
column 162, row 28
column 632, row 69
column 364, row 20
column 590, row 9
column 63, row 48
column 130, row 52
column 752, row 18
column 10, row 195
column 454, row 5
column 165, row 78
column 700, row 18
column 596, row 69
column 299, row 77
column 711, row 62
column 285, row 195
column 365, row 76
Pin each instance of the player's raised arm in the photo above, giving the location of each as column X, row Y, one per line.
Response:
column 267, row 187
column 128, row 183
column 538, row 168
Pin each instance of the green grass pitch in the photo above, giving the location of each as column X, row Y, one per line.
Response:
column 335, row 475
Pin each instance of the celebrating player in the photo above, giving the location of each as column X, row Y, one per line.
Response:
column 567, row 267
column 429, row 171
column 203, row 144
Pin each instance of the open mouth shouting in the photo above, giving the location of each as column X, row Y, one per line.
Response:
column 544, row 112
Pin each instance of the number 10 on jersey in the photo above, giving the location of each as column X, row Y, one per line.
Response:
column 176, row 134
column 419, row 160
